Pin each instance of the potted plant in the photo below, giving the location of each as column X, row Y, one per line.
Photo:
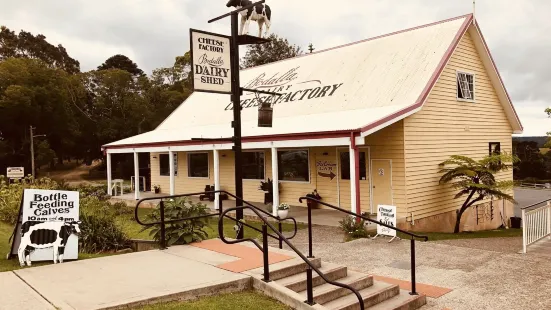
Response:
column 157, row 188
column 268, row 188
column 314, row 195
column 283, row 211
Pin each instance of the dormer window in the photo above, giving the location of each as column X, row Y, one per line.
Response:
column 465, row 86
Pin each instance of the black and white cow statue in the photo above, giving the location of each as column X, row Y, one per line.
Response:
column 43, row 235
column 261, row 13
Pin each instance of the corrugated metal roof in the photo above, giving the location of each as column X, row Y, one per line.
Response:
column 345, row 88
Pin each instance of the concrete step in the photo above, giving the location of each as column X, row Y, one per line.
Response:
column 297, row 282
column 328, row 292
column 404, row 301
column 291, row 267
column 373, row 295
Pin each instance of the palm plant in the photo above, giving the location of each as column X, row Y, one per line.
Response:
column 476, row 179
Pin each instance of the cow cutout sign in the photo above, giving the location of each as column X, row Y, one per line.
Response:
column 48, row 227
column 261, row 13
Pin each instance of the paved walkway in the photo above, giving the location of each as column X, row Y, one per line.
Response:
column 181, row 272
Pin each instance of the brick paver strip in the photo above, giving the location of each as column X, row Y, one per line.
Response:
column 251, row 258
column 425, row 289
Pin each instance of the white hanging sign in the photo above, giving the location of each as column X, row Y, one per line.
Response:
column 386, row 215
column 49, row 226
column 211, row 62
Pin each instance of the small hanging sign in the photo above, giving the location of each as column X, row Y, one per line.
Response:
column 210, row 62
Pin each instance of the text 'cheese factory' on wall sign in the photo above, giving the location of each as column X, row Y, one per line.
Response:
column 211, row 62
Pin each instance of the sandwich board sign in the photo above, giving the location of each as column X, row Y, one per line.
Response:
column 210, row 62
column 47, row 226
column 15, row 172
column 386, row 215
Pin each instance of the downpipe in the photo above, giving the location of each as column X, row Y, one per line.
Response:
column 357, row 168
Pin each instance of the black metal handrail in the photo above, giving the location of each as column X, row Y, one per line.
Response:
column 264, row 247
column 412, row 235
column 163, row 222
column 535, row 204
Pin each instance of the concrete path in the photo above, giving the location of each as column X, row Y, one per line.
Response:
column 16, row 294
column 182, row 272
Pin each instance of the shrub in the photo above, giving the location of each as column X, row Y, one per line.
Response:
column 99, row 229
column 99, row 191
column 352, row 228
column 180, row 232
column 10, row 195
column 99, row 233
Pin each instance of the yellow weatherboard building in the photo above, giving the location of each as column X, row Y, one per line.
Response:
column 401, row 103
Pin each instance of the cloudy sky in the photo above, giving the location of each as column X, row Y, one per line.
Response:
column 153, row 32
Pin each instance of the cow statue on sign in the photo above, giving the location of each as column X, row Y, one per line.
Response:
column 261, row 13
column 43, row 235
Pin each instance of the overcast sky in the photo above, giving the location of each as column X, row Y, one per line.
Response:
column 153, row 32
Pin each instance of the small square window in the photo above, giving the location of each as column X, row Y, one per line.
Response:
column 465, row 86
column 253, row 165
column 198, row 165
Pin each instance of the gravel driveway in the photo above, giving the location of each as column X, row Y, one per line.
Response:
column 483, row 273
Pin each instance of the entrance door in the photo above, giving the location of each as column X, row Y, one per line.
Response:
column 381, row 170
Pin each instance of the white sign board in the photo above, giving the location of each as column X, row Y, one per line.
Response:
column 15, row 172
column 49, row 223
column 386, row 215
column 211, row 62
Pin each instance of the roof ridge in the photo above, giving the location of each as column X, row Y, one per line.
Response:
column 366, row 40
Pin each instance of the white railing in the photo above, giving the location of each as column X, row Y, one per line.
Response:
column 536, row 223
column 536, row 185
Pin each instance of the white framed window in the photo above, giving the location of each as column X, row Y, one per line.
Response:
column 198, row 165
column 294, row 165
column 253, row 165
column 164, row 165
column 465, row 86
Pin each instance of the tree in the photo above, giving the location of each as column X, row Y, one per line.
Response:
column 531, row 162
column 277, row 49
column 475, row 178
column 26, row 45
column 32, row 93
column 548, row 144
column 123, row 63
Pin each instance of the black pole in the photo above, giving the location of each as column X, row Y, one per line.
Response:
column 309, row 287
column 163, row 232
column 413, row 290
column 265, row 253
column 236, row 99
column 280, row 240
column 310, row 254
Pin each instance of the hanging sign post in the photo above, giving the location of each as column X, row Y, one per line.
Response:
column 211, row 62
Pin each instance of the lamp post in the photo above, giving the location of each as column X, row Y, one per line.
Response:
column 237, row 91
column 32, row 148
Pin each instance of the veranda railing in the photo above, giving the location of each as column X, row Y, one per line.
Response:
column 536, row 223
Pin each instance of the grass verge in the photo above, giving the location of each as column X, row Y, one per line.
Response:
column 242, row 301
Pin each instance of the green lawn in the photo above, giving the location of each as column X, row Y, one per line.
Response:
column 497, row 233
column 241, row 301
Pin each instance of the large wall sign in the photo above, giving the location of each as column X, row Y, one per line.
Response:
column 290, row 85
column 210, row 62
column 47, row 227
column 386, row 215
